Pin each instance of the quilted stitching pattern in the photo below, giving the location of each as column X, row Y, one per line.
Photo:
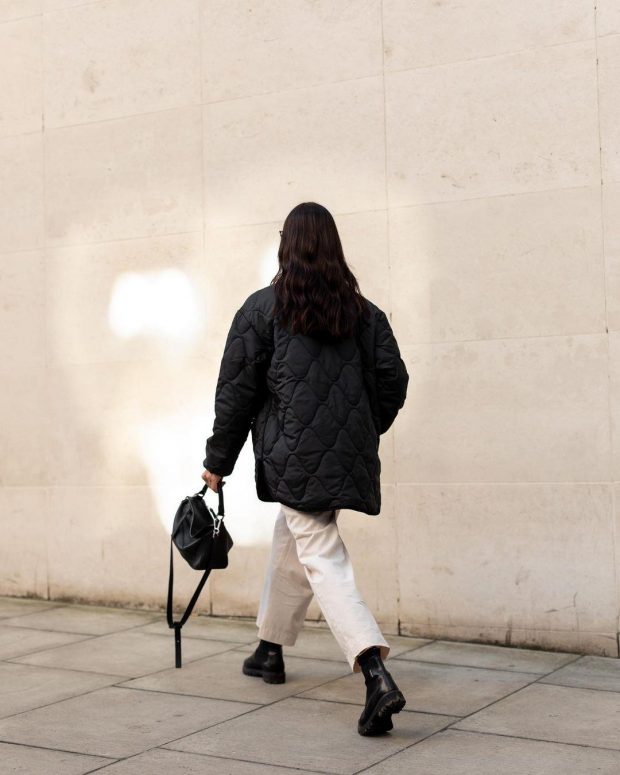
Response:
column 315, row 410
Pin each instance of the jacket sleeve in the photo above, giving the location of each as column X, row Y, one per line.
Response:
column 238, row 394
column 391, row 374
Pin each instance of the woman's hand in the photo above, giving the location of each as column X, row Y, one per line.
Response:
column 211, row 479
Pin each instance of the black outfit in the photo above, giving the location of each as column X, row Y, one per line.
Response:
column 316, row 408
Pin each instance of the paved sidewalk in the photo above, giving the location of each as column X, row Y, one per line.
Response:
column 91, row 689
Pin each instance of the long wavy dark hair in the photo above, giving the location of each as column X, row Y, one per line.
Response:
column 315, row 291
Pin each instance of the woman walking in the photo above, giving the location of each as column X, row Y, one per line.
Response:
column 312, row 368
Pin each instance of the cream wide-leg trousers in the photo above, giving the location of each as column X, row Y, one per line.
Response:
column 308, row 556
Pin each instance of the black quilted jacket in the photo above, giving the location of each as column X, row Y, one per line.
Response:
column 315, row 410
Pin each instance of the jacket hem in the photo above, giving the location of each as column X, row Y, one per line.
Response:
column 324, row 506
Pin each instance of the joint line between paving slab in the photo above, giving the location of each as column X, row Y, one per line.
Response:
column 536, row 739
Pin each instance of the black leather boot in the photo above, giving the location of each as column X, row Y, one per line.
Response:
column 266, row 662
column 383, row 697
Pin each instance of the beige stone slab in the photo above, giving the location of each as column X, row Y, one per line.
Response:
column 454, row 278
column 588, row 672
column 483, row 555
column 96, row 527
column 22, row 314
column 124, row 178
column 321, row 644
column 254, row 250
column 428, row 688
column 525, row 411
column 123, row 653
column 116, row 722
column 93, row 71
column 39, row 761
column 488, row 656
column 616, row 486
column 604, row 644
column 333, row 745
column 24, row 421
column 128, row 300
column 518, row 123
column 23, row 516
column 559, row 713
column 287, row 46
column 55, row 5
column 160, row 761
column 24, row 606
column 611, row 242
column 17, row 642
column 607, row 17
column 614, row 389
column 24, row 687
column 209, row 627
column 118, row 423
column 21, row 181
column 19, row 9
column 85, row 619
column 263, row 154
column 20, row 96
column 608, row 53
column 220, row 677
column 454, row 751
column 429, row 33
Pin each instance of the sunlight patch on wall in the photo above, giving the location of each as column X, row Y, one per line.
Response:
column 161, row 303
column 171, row 449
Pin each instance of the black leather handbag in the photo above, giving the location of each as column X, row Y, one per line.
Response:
column 204, row 542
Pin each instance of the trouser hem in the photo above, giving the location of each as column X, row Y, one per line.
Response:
column 355, row 665
column 284, row 637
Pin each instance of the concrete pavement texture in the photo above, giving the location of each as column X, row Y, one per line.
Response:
column 87, row 688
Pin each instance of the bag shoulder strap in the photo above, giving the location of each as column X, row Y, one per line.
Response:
column 177, row 625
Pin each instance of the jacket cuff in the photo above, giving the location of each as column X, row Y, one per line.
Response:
column 215, row 469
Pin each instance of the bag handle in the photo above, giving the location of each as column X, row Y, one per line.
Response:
column 220, row 492
column 177, row 625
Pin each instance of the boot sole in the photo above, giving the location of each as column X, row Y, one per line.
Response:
column 381, row 721
column 270, row 678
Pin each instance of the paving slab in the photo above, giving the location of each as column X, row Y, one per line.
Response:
column 18, row 641
column 309, row 734
column 532, row 712
column 589, row 672
column 559, row 713
column 220, row 677
column 455, row 752
column 127, row 653
column 431, row 688
column 89, row 620
column 160, row 761
column 24, row 687
column 16, row 606
column 116, row 722
column 321, row 644
column 214, row 628
column 484, row 655
column 24, row 760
